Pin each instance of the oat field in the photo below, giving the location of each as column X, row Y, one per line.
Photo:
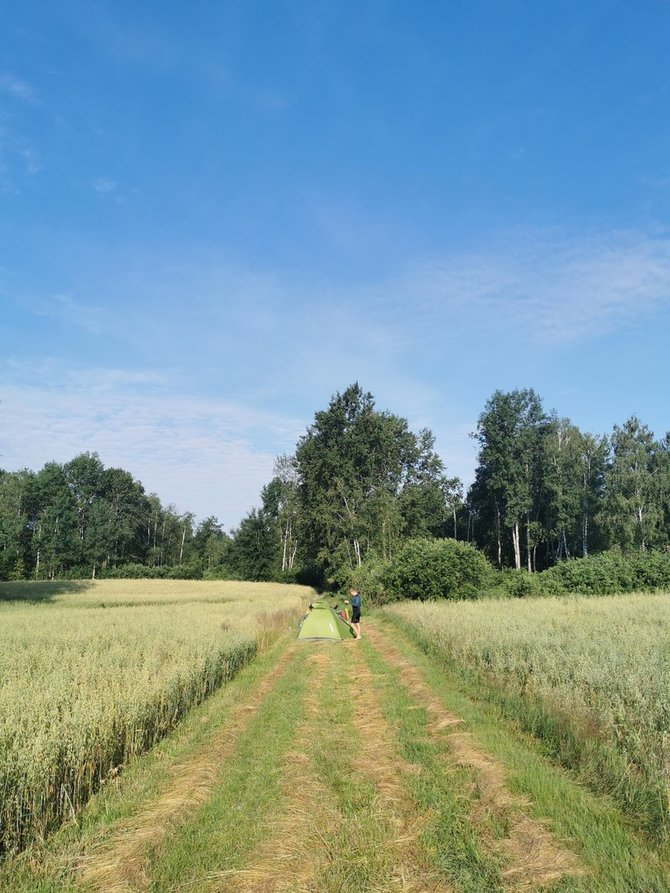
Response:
column 93, row 674
column 360, row 767
column 385, row 765
column 591, row 677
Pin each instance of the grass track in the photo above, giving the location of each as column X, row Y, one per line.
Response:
column 334, row 769
column 616, row 859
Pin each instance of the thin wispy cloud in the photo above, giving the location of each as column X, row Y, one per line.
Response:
column 19, row 89
column 201, row 454
column 103, row 185
column 556, row 290
column 18, row 160
column 31, row 160
column 272, row 345
column 72, row 312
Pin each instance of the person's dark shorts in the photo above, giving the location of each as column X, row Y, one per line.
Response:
column 355, row 615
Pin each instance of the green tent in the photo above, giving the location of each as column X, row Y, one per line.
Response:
column 323, row 623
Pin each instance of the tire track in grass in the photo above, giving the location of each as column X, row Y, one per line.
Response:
column 246, row 800
column 531, row 855
column 410, row 866
column 120, row 865
column 341, row 834
column 440, row 788
column 298, row 849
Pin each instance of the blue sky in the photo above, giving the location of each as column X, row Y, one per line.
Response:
column 213, row 216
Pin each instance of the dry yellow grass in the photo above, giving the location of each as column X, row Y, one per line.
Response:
column 118, row 865
column 531, row 856
column 591, row 675
column 92, row 677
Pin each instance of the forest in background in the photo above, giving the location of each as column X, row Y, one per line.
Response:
column 359, row 486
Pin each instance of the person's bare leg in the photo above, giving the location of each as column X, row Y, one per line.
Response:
column 357, row 629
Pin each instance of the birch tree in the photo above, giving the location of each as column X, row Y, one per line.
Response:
column 633, row 506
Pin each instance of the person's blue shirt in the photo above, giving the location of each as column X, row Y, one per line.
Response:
column 356, row 600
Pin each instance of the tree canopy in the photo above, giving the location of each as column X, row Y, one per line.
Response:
column 359, row 485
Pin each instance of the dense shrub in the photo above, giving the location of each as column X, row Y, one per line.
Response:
column 610, row 573
column 521, row 584
column 191, row 571
column 435, row 569
column 652, row 571
column 369, row 579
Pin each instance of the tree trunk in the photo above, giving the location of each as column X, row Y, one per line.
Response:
column 517, row 545
column 585, row 510
column 498, row 536
column 284, row 547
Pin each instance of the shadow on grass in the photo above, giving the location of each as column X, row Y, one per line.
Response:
column 40, row 592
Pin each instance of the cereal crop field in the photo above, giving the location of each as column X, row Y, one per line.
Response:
column 591, row 677
column 94, row 673
column 398, row 763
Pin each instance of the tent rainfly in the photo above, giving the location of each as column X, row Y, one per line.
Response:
column 323, row 623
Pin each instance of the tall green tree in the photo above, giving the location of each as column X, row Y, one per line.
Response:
column 255, row 550
column 15, row 523
column 281, row 503
column 211, row 545
column 83, row 475
column 592, row 462
column 633, row 510
column 506, row 493
column 56, row 544
column 354, row 464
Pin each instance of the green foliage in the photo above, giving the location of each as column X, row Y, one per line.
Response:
column 255, row 550
column 538, row 490
column 366, row 481
column 609, row 573
column 511, row 433
column 369, row 579
column 436, row 569
column 521, row 584
column 82, row 520
column 636, row 489
column 193, row 570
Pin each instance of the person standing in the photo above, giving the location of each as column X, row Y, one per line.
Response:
column 356, row 611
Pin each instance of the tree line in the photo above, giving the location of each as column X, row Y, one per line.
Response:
column 545, row 491
column 82, row 519
column 359, row 485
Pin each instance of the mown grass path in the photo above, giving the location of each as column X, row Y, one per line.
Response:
column 357, row 768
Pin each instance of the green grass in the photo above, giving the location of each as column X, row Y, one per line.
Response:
column 617, row 859
column 441, row 788
column 222, row 834
column 48, row 866
column 360, row 861
column 589, row 677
